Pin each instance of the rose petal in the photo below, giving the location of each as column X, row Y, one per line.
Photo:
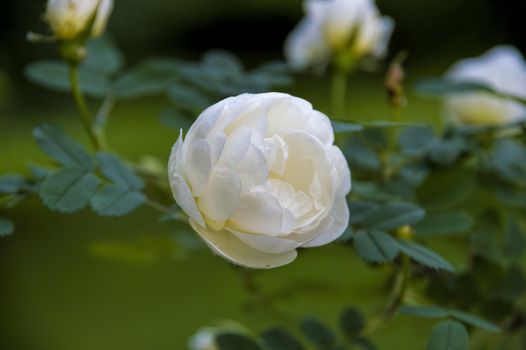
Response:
column 268, row 244
column 221, row 195
column 340, row 214
column 233, row 249
column 198, row 166
column 184, row 198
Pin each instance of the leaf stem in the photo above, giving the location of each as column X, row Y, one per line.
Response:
column 395, row 301
column 85, row 114
column 339, row 93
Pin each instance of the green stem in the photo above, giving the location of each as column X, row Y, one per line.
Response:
column 339, row 93
column 395, row 301
column 85, row 114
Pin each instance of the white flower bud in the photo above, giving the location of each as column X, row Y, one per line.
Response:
column 331, row 27
column 503, row 69
column 69, row 18
column 259, row 176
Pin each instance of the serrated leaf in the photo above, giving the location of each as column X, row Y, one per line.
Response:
column 59, row 146
column 474, row 320
column 113, row 168
column 7, row 227
column 340, row 126
column 224, row 62
column 317, row 333
column 428, row 311
column 375, row 246
column 12, row 183
column 233, row 341
column 279, row 339
column 352, row 322
column 149, row 78
column 362, row 155
column 424, row 256
column 439, row 224
column 116, row 200
column 359, row 210
column 68, row 189
column 394, row 215
column 449, row 335
column 54, row 75
column 104, row 56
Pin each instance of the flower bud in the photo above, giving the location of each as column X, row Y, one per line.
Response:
column 69, row 19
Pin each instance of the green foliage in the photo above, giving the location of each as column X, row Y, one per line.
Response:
column 394, row 215
column 321, row 336
column 424, row 256
column 235, row 341
column 7, row 227
column 279, row 339
column 12, row 183
column 376, row 246
column 432, row 311
column 61, row 147
column 446, row 188
column 68, row 189
column 448, row 335
column 439, row 224
column 352, row 322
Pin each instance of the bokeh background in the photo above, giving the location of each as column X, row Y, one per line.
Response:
column 84, row 282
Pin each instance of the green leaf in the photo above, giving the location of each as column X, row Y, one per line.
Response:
column 223, row 63
column 394, row 215
column 446, row 152
column 113, row 168
column 12, row 183
column 61, row 147
column 116, row 200
column 428, row 311
column 233, row 341
column 474, row 320
column 279, row 339
column 375, row 246
column 432, row 311
column 187, row 97
column 448, row 335
column 439, row 224
column 340, row 126
column 54, row 75
column 68, row 189
column 442, row 87
column 514, row 241
column 103, row 56
column 352, row 322
column 175, row 118
column 6, row 227
column 317, row 333
column 363, row 156
column 424, row 256
column 359, row 210
column 509, row 160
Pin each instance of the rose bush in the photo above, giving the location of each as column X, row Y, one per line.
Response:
column 69, row 18
column 259, row 176
column 503, row 69
column 334, row 27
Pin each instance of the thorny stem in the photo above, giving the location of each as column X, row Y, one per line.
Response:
column 85, row 114
column 395, row 301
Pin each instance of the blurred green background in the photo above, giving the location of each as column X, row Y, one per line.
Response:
column 85, row 282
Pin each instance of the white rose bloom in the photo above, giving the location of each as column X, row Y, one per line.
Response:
column 502, row 68
column 332, row 26
column 68, row 18
column 259, row 176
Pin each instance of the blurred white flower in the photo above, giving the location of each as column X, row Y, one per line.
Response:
column 69, row 18
column 203, row 339
column 259, row 176
column 333, row 27
column 502, row 68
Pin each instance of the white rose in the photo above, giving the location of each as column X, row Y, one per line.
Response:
column 204, row 339
column 68, row 18
column 333, row 26
column 502, row 68
column 259, row 176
